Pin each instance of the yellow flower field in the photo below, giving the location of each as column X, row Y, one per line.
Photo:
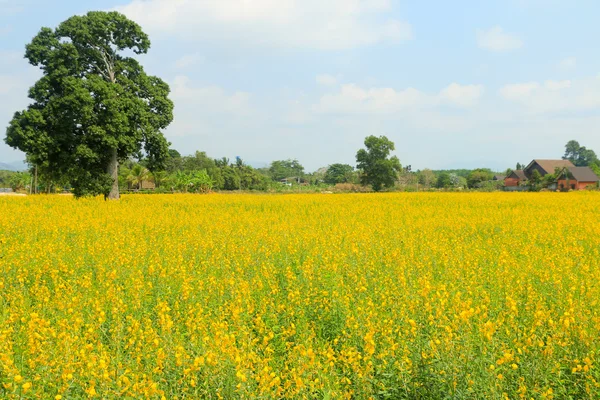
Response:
column 301, row 296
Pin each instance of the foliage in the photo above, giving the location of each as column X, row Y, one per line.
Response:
column 427, row 178
column 579, row 155
column 138, row 175
column 160, row 178
column 535, row 181
column 339, row 173
column 478, row 176
column 444, row 180
column 459, row 182
column 459, row 172
column 193, row 182
column 5, row 177
column 19, row 181
column 399, row 296
column 491, row 186
column 377, row 168
column 282, row 169
column 94, row 105
column 231, row 179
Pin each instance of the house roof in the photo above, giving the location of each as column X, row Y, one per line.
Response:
column 583, row 174
column 550, row 165
column 499, row 177
column 518, row 174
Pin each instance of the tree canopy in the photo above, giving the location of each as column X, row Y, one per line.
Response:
column 281, row 169
column 478, row 176
column 579, row 155
column 338, row 173
column 378, row 169
column 94, row 105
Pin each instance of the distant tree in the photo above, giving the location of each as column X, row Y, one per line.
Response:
column 174, row 161
column 407, row 178
column 251, row 179
column 198, row 161
column 222, row 162
column 19, row 180
column 550, row 179
column 338, row 173
column 200, row 182
column 444, row 181
column 193, row 181
column 94, row 105
column 478, row 176
column 535, row 180
column 285, row 169
column 520, row 166
column 377, row 168
column 579, row 155
column 174, row 153
column 160, row 178
column 239, row 163
column 231, row 178
column 426, row 177
column 458, row 181
column 137, row 175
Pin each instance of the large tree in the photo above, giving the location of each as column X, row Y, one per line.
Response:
column 281, row 169
column 338, row 173
column 377, row 168
column 580, row 155
column 94, row 105
column 478, row 176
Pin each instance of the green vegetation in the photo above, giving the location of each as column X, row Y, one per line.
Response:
column 377, row 168
column 94, row 105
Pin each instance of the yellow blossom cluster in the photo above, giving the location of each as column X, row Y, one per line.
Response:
column 425, row 295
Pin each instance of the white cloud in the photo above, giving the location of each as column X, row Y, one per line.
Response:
column 516, row 91
column 495, row 39
column 463, row 96
column 326, row 80
column 331, row 24
column 567, row 63
column 357, row 100
column 555, row 96
column 188, row 60
column 211, row 99
column 195, row 107
column 557, row 85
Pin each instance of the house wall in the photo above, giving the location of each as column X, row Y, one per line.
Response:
column 148, row 185
column 511, row 182
column 573, row 184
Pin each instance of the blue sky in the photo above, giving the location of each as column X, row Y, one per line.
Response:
column 453, row 84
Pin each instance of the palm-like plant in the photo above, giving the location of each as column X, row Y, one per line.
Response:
column 138, row 175
column 160, row 178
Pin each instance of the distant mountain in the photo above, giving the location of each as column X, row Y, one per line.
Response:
column 13, row 166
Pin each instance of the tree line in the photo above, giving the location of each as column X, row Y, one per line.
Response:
column 96, row 119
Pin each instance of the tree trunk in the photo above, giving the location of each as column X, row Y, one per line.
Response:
column 113, row 171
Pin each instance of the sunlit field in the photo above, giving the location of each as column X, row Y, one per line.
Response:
column 301, row 296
